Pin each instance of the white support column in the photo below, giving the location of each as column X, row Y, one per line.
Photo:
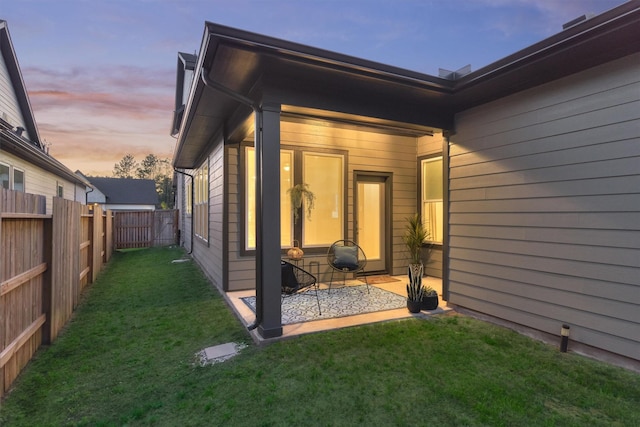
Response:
column 268, row 272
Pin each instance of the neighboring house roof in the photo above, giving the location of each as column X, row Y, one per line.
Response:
column 14, row 141
column 127, row 191
column 11, row 61
column 248, row 68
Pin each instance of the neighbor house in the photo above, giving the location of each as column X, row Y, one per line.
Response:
column 123, row 194
column 526, row 172
column 25, row 163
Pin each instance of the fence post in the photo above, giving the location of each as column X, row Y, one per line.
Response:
column 47, row 280
column 96, row 243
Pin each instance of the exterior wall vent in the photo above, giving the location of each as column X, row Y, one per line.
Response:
column 576, row 21
column 454, row 75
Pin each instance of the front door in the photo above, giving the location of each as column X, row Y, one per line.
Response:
column 371, row 219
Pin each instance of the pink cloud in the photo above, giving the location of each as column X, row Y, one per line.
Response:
column 93, row 116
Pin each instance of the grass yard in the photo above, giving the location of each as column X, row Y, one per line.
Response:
column 127, row 358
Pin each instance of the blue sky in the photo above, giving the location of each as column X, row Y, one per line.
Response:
column 101, row 73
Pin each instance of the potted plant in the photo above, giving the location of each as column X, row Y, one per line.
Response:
column 414, row 237
column 298, row 194
column 415, row 289
column 429, row 299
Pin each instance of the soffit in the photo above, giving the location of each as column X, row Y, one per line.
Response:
column 266, row 70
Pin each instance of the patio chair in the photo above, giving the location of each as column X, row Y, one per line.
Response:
column 346, row 257
column 296, row 281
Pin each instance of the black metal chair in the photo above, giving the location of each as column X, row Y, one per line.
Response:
column 296, row 281
column 346, row 257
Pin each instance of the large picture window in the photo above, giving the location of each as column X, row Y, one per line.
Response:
column 324, row 175
column 201, row 202
column 431, row 197
column 286, row 181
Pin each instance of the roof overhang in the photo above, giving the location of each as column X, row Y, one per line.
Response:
column 269, row 70
column 20, row 147
column 11, row 61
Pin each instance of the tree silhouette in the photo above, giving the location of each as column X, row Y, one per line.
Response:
column 125, row 167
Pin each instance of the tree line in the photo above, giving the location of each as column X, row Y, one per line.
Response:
column 151, row 167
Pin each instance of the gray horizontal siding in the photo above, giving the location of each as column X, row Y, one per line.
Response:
column 545, row 207
column 210, row 254
column 367, row 151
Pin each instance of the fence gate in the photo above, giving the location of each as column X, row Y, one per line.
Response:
column 143, row 229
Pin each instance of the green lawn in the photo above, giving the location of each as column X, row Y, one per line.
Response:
column 127, row 358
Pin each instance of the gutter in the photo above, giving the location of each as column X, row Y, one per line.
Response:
column 257, row 110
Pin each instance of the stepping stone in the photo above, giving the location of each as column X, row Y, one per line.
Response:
column 219, row 353
column 222, row 350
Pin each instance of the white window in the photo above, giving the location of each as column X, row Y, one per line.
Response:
column 18, row 180
column 4, row 176
column 60, row 189
column 432, row 206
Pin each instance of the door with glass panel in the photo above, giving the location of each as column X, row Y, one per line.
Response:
column 371, row 219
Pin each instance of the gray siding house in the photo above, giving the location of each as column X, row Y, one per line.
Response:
column 526, row 172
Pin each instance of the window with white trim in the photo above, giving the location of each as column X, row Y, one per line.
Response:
column 5, row 173
column 11, row 178
column 18, row 180
column 431, row 198
column 60, row 189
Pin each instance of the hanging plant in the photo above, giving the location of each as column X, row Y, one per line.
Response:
column 298, row 193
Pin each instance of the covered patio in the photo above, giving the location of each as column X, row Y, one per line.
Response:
column 332, row 320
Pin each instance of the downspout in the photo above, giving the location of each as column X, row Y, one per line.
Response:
column 192, row 193
column 86, row 195
column 257, row 111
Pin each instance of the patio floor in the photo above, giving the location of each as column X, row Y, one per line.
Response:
column 399, row 287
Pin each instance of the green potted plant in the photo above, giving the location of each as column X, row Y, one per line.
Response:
column 415, row 289
column 430, row 299
column 414, row 237
column 299, row 193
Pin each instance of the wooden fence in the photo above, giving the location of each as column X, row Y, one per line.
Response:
column 45, row 263
column 143, row 229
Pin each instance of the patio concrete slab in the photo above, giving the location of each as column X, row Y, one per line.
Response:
column 248, row 316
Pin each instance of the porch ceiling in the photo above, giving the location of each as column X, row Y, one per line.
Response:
column 268, row 70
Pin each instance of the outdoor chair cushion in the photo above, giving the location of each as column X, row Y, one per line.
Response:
column 346, row 257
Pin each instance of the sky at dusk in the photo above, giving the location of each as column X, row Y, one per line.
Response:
column 101, row 73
